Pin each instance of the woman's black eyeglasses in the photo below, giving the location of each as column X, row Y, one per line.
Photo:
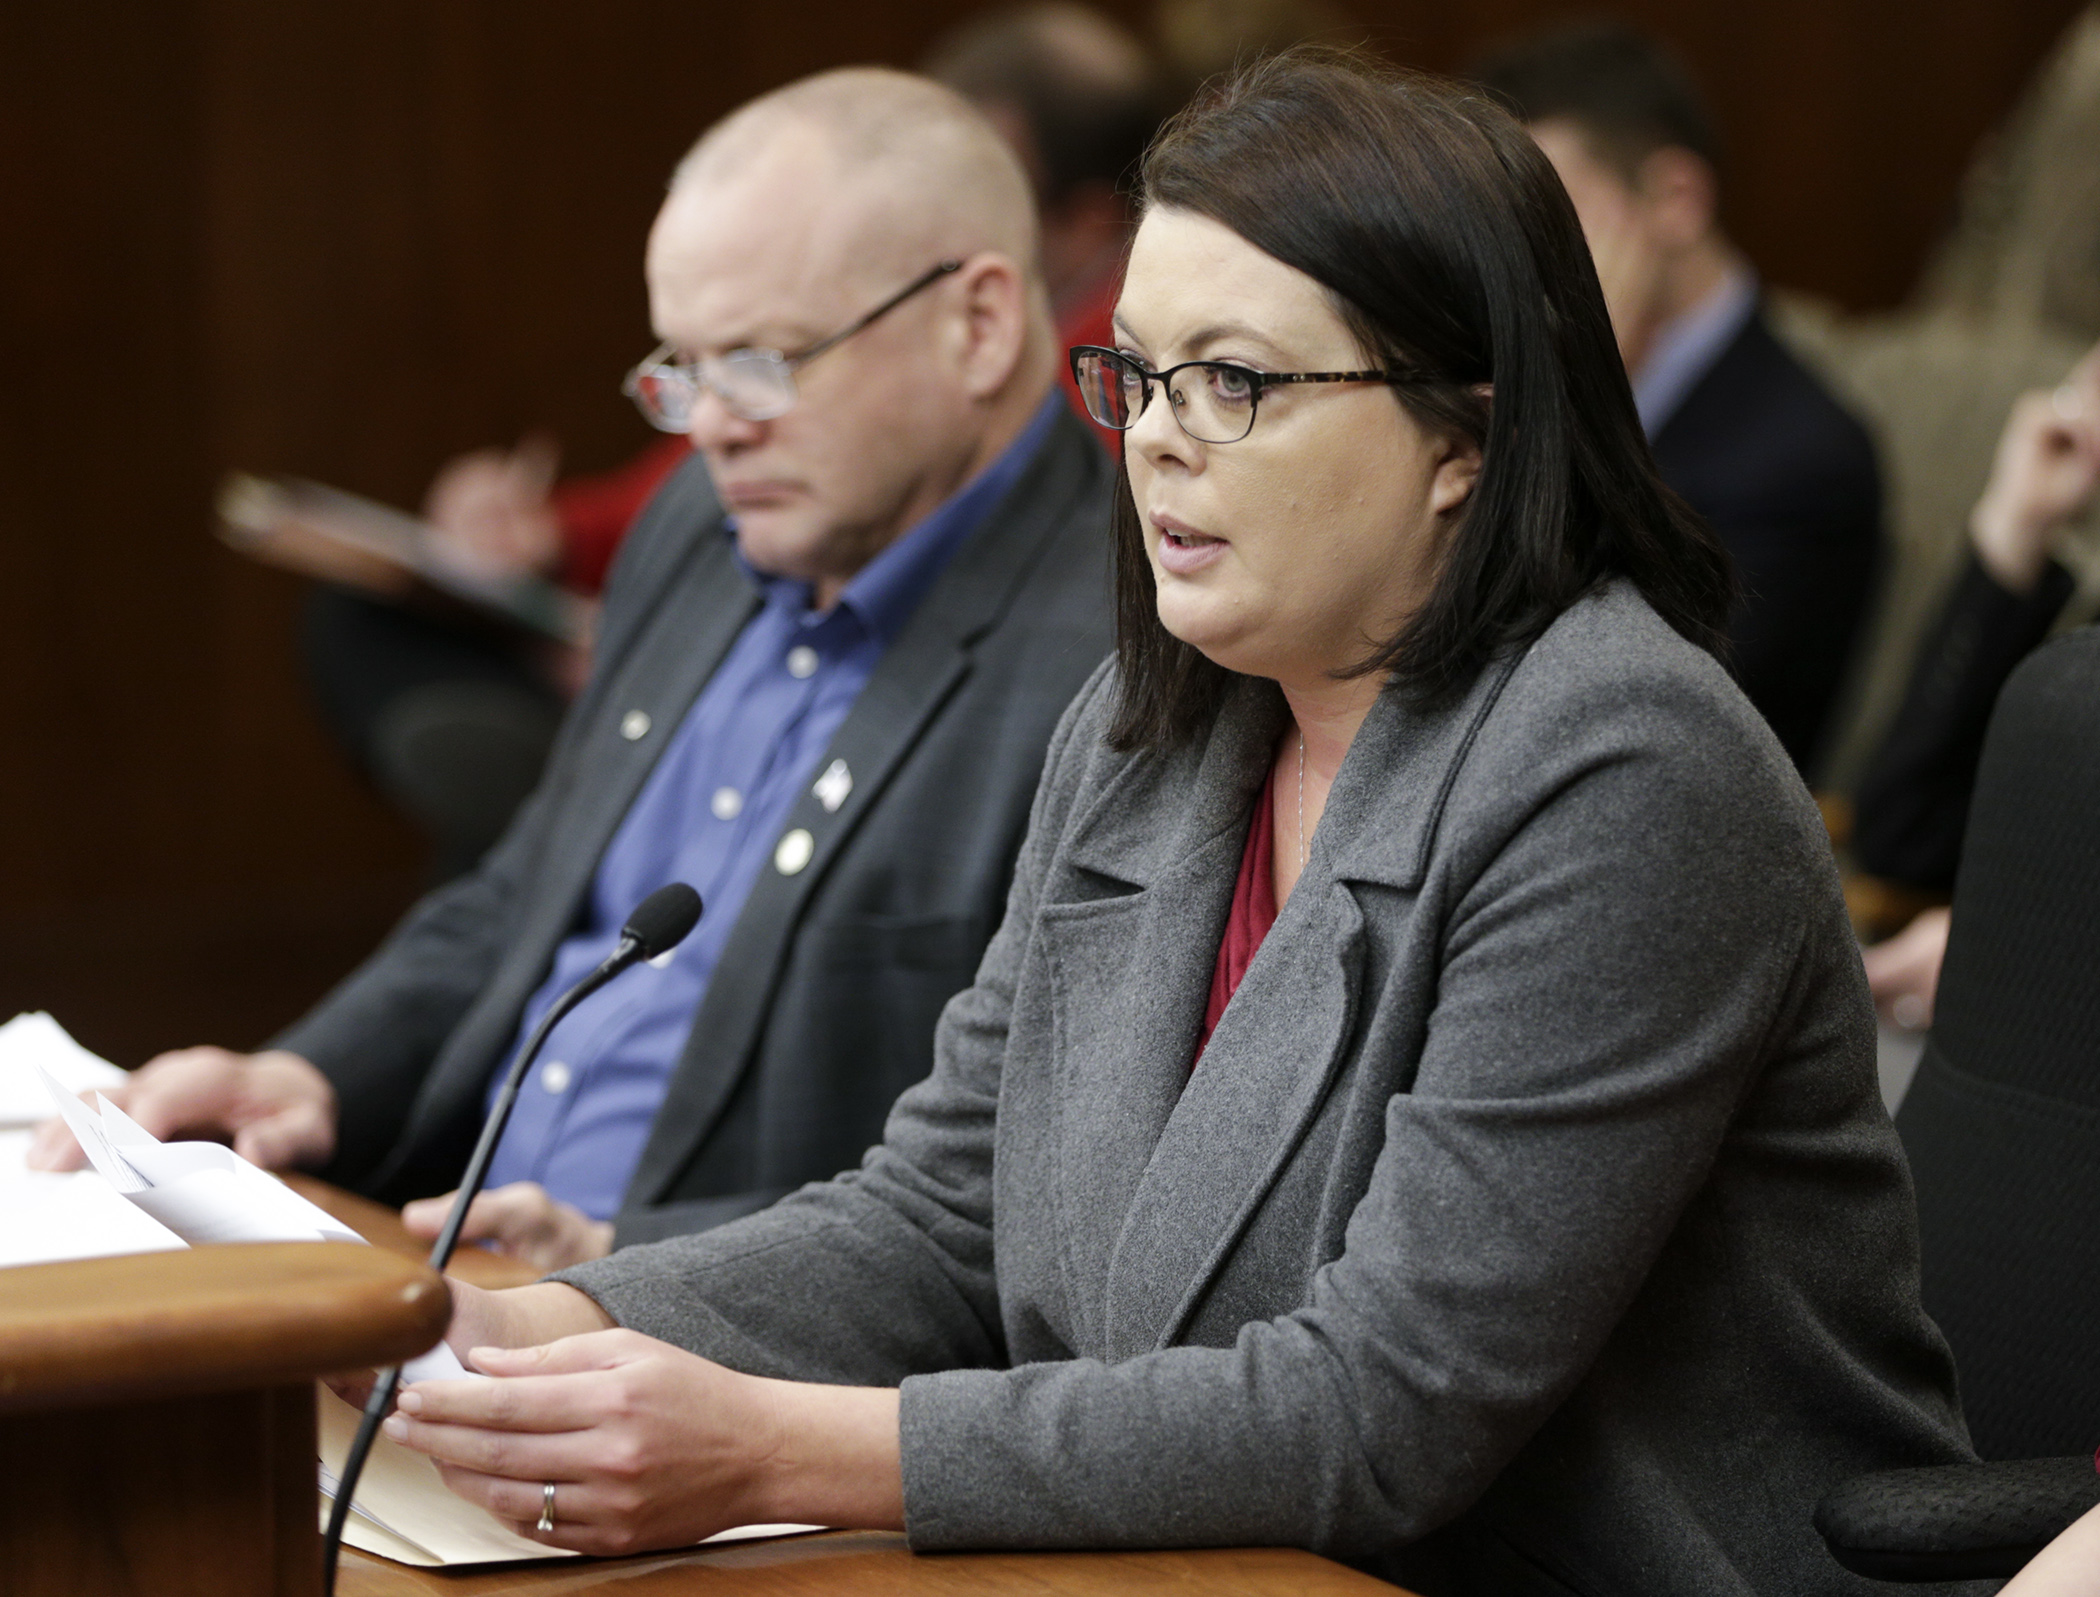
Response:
column 1216, row 406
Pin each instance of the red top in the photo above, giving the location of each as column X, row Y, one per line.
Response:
column 1253, row 912
column 595, row 512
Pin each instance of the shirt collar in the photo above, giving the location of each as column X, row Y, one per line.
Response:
column 884, row 592
column 1688, row 345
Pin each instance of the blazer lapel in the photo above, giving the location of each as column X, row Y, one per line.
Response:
column 914, row 678
column 620, row 731
column 641, row 710
column 1131, row 973
column 1265, row 1073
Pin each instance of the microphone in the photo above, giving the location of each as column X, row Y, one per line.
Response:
column 659, row 924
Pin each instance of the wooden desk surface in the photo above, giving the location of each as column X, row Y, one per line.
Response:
column 877, row 1564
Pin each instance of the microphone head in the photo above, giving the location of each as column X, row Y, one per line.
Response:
column 660, row 921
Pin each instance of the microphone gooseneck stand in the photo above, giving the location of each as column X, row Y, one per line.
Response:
column 659, row 924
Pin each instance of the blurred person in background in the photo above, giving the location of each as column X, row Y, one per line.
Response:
column 830, row 661
column 452, row 719
column 1913, row 804
column 1203, row 39
column 1078, row 97
column 1739, row 427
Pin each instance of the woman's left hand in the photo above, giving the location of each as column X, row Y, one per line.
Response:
column 649, row 1446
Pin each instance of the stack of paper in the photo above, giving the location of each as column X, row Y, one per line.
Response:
column 45, row 1217
column 201, row 1192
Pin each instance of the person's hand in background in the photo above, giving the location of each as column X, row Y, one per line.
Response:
column 276, row 1109
column 1903, row 972
column 2047, row 469
column 491, row 513
column 521, row 1220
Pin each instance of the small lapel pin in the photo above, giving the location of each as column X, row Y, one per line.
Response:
column 833, row 787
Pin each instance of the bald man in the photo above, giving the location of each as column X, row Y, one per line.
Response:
column 831, row 658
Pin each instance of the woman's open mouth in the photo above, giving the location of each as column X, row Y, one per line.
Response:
column 1183, row 551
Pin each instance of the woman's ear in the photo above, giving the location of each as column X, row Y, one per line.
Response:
column 1455, row 475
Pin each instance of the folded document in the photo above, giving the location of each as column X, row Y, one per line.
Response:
column 201, row 1191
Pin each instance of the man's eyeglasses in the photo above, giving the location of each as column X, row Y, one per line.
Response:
column 1213, row 400
column 756, row 384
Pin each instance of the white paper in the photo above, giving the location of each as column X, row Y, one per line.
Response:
column 439, row 1364
column 33, row 1040
column 15, row 1142
column 47, row 1219
column 201, row 1191
column 403, row 1510
column 177, row 1192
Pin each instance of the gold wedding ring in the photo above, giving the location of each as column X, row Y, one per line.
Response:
column 546, row 1509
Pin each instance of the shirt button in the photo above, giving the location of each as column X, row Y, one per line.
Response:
column 794, row 852
column 554, row 1076
column 802, row 661
column 727, row 803
column 634, row 725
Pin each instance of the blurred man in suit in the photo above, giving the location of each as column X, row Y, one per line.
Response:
column 832, row 654
column 1739, row 427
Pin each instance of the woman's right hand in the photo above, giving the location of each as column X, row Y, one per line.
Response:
column 525, row 1316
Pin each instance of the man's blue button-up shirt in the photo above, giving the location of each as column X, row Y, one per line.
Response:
column 710, row 814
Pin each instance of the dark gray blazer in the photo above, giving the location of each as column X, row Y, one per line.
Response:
column 823, row 1007
column 1531, row 1225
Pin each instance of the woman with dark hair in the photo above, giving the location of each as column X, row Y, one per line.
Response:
column 1420, row 1105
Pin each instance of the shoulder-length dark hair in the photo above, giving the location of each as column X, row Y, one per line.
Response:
column 1450, row 249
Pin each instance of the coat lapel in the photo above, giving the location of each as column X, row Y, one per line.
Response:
column 1263, row 1076
column 643, row 706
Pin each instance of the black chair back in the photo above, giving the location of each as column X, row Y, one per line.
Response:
column 2002, row 1123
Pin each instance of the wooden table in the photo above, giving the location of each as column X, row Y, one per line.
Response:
column 874, row 1563
column 877, row 1564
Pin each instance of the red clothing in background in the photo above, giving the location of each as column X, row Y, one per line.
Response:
column 1253, row 912
column 596, row 511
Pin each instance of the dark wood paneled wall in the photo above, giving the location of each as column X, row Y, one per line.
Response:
column 349, row 240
